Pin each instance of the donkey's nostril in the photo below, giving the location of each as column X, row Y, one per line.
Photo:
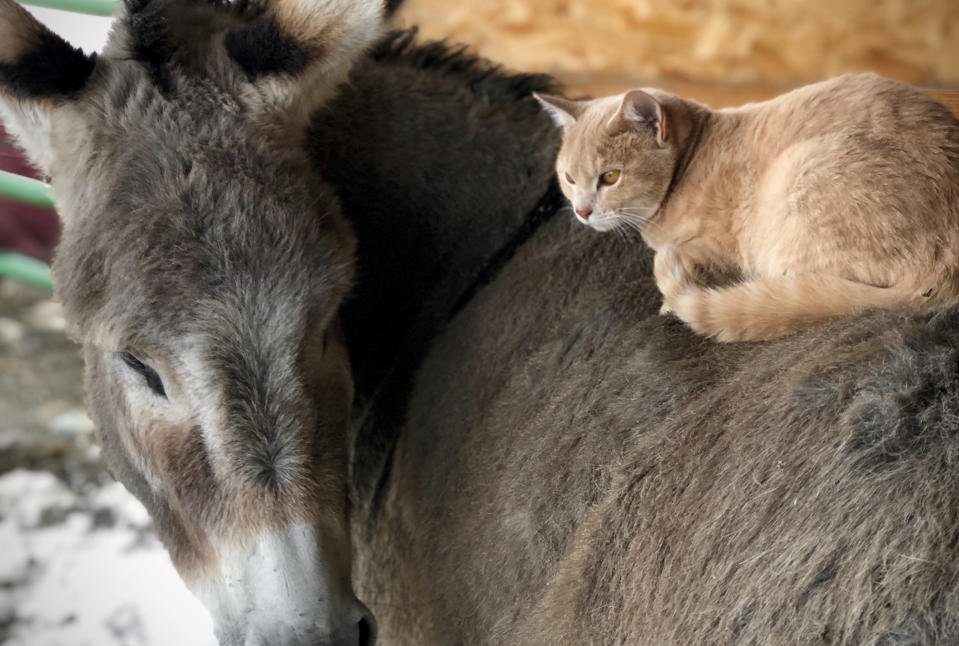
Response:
column 367, row 631
column 584, row 213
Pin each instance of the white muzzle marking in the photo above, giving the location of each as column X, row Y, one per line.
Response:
column 283, row 588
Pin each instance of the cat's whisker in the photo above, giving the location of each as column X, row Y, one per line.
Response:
column 637, row 221
column 636, row 216
column 620, row 232
column 624, row 231
column 645, row 218
column 634, row 226
column 637, row 211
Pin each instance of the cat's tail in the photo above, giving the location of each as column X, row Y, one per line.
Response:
column 768, row 308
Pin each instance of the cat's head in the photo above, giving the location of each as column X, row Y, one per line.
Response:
column 617, row 158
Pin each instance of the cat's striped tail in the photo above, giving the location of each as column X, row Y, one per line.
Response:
column 768, row 308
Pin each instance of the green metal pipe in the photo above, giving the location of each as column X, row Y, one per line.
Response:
column 23, row 189
column 92, row 7
column 26, row 270
column 15, row 266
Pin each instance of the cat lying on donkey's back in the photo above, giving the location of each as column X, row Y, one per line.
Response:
column 831, row 199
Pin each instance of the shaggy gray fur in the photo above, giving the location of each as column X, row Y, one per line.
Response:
column 538, row 458
column 572, row 468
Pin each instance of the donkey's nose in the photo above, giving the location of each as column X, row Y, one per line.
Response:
column 367, row 631
column 584, row 213
column 363, row 633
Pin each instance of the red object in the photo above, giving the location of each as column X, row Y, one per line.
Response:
column 25, row 229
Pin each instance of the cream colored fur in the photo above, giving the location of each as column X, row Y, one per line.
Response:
column 826, row 201
column 774, row 306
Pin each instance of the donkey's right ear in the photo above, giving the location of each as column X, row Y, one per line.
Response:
column 41, row 75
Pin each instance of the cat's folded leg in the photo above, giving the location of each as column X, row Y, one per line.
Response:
column 677, row 268
column 672, row 274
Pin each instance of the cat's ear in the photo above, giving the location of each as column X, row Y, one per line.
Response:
column 563, row 111
column 642, row 110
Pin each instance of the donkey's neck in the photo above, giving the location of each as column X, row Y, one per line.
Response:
column 434, row 158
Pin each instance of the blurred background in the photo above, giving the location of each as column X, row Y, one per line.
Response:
column 79, row 565
column 718, row 51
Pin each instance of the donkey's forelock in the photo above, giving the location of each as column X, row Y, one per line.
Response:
column 182, row 224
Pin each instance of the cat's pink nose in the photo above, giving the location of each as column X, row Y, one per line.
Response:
column 584, row 213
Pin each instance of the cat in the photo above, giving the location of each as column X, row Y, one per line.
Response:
column 828, row 200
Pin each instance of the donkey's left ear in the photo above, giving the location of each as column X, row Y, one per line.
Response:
column 41, row 76
column 642, row 110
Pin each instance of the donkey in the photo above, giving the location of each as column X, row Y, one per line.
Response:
column 542, row 459
column 534, row 455
column 201, row 269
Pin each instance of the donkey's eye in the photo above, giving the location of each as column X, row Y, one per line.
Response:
column 570, row 179
column 149, row 374
column 609, row 178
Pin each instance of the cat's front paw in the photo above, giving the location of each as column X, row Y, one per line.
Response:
column 670, row 273
column 665, row 310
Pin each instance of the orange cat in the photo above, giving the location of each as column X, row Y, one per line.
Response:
column 831, row 199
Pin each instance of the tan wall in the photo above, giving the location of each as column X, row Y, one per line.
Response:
column 746, row 42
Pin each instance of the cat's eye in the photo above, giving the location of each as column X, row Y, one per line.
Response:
column 149, row 375
column 610, row 177
column 570, row 179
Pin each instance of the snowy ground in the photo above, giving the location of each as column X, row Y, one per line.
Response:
column 79, row 564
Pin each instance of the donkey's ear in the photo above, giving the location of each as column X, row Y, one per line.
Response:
column 392, row 6
column 643, row 111
column 41, row 76
column 563, row 111
column 297, row 52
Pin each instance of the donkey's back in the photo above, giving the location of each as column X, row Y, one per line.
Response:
column 803, row 492
column 572, row 468
column 617, row 480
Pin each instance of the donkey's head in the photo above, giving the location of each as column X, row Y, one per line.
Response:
column 202, row 268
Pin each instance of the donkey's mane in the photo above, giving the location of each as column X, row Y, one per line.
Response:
column 485, row 78
column 455, row 60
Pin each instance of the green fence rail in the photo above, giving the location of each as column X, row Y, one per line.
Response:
column 26, row 270
column 20, row 268
column 29, row 191
column 23, row 189
column 92, row 7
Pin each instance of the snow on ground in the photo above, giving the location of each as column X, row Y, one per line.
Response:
column 87, row 571
column 79, row 563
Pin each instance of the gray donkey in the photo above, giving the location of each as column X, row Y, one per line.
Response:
column 202, row 268
column 533, row 456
